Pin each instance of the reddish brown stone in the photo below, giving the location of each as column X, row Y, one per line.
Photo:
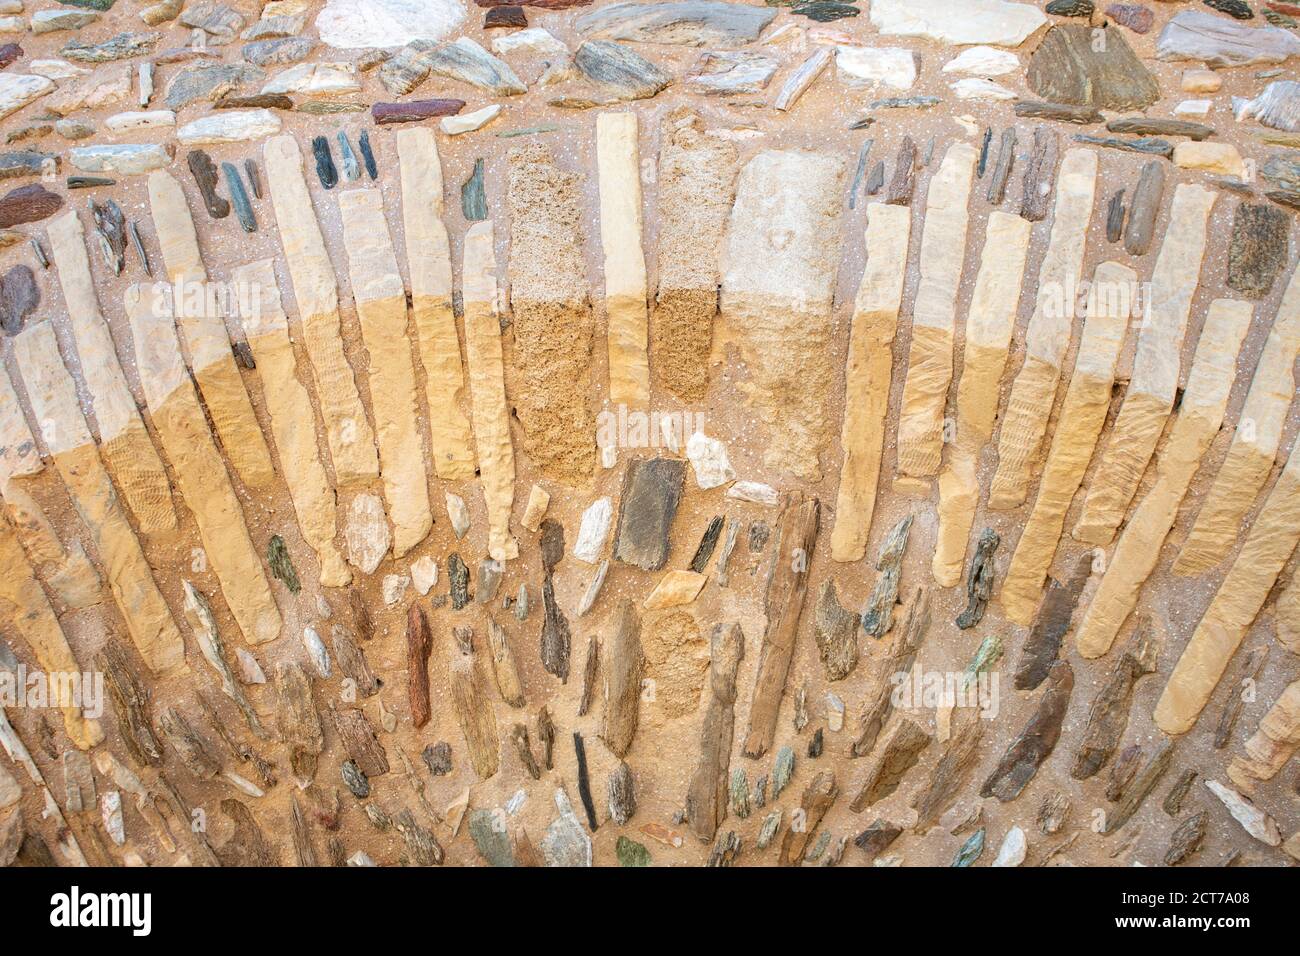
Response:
column 9, row 52
column 414, row 111
column 28, row 204
column 1134, row 16
column 505, row 17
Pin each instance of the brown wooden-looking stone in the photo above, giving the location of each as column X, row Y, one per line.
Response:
column 897, row 660
column 1108, row 714
column 1002, row 168
column 131, row 701
column 360, row 741
column 901, row 186
column 1150, row 126
column 1061, row 112
column 30, row 203
column 418, row 647
column 1187, row 839
column 504, row 16
column 899, row 755
column 1144, row 209
column 1040, row 173
column 473, row 710
column 298, row 720
column 412, row 111
column 1036, row 742
column 205, row 175
column 652, row 489
column 624, row 664
column 1143, row 783
column 1250, row 668
column 877, row 838
column 1258, row 248
column 1070, row 66
column 706, row 796
column 1050, row 625
column 950, row 773
column 817, row 799
column 247, row 846
column 836, row 632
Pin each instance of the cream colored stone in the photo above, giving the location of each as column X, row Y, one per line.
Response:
column 1221, row 158
column 381, row 307
column 200, row 472
column 228, row 126
column 487, row 388
column 288, row 404
column 1154, row 382
column 1199, row 417
column 204, row 331
column 1201, row 81
column 351, row 441
column 989, row 324
column 538, row 500
column 934, row 314
column 19, row 89
column 1273, row 745
column 428, row 257
column 126, row 122
column 617, row 162
column 1047, row 338
column 1082, row 415
column 867, row 376
column 316, row 79
column 675, row 589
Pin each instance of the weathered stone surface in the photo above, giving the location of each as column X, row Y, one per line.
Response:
column 1271, row 746
column 414, row 110
column 1199, row 35
column 278, row 52
column 1109, row 710
column 686, row 22
column 899, row 754
column 1252, row 819
column 118, row 47
column 1276, row 106
column 1136, row 17
column 619, row 71
column 208, row 83
column 230, row 126
column 1068, row 68
column 1036, row 742
column 366, row 533
column 1258, row 249
column 836, row 632
column 652, row 489
column 897, row 660
column 358, row 24
column 797, row 83
column 878, row 616
column 725, row 73
column 19, row 297
column 979, row 582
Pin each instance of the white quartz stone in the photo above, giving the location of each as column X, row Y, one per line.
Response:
column 708, row 458
column 1012, row 851
column 459, row 515
column 315, row 79
column 357, row 24
column 532, row 40
column 978, row 88
column 983, row 61
column 19, row 89
column 1194, row 108
column 593, row 530
column 151, row 119
column 57, row 69
column 394, row 587
column 424, row 573
column 320, row 658
column 995, row 22
column 871, row 66
column 754, row 491
column 250, row 671
column 468, row 122
column 229, row 126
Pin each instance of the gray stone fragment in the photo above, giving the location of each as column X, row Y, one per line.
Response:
column 619, row 70
column 118, row 47
column 487, row 830
column 652, row 490
column 688, row 23
column 208, row 83
column 278, row 52
column 465, row 60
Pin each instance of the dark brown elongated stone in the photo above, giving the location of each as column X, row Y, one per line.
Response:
column 1035, row 744
column 621, row 791
column 997, row 190
column 205, row 175
column 361, row 622
column 950, row 773
column 1141, row 787
column 878, row 617
column 131, row 701
column 524, row 748
column 1144, row 209
column 903, row 182
column 897, row 660
column 298, row 720
column 589, row 672
column 418, row 647
column 458, row 579
column 877, row 838
column 1151, row 126
column 1050, row 625
column 29, row 203
column 899, row 754
column 624, row 664
column 1070, row 66
column 109, row 230
column 19, row 297
column 817, row 799
column 708, row 541
column 505, row 670
column 1053, row 812
column 421, row 844
column 1173, row 802
column 473, row 709
column 1040, row 174
column 360, row 741
column 504, row 16
column 1061, row 112
column 706, row 796
column 413, row 111
column 983, row 163
column 1258, row 248
column 584, row 781
column 266, row 101
column 247, row 846
column 193, row 749
column 876, row 179
column 1108, row 714
column 652, row 489
column 787, row 582
column 546, row 736
column 88, row 182
column 1115, row 217
column 1248, row 670
column 1123, row 771
column 254, row 178
column 304, row 853
column 979, row 582
column 1187, row 838
column 556, row 639
column 836, row 632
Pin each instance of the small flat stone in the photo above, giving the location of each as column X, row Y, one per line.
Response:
column 473, row 195
column 1070, row 8
column 19, row 297
column 469, row 122
column 205, row 177
column 268, row 28
column 688, row 22
column 278, row 52
column 534, row 40
column 1237, row 9
column 1217, row 42
column 1221, row 158
column 137, row 119
column 652, row 490
column 708, row 458
column 983, row 61
column 1136, row 17
column 593, row 530
column 619, row 70
column 51, row 21
column 19, row 89
column 366, row 532
column 208, row 83
column 219, row 22
column 118, row 47
column 414, row 110
column 25, row 162
column 424, row 573
column 1257, row 250
column 122, row 158
column 754, row 491
column 1200, row 81
column 504, row 16
column 859, row 66
column 230, row 126
column 1067, row 67
column 725, row 73
column 675, row 589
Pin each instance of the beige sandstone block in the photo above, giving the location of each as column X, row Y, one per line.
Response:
column 867, row 376
column 1151, row 389
column 66, row 571
column 200, row 472
column 1254, row 443
column 1198, row 420
column 381, row 306
column 1221, row 158
column 292, row 422
column 487, row 388
column 617, row 161
column 675, row 589
column 205, row 335
column 539, row 499
column 1269, row 544
column 124, row 442
column 934, row 316
column 1048, row 336
column 1275, row 742
column 989, row 325
column 315, row 292
column 53, row 397
column 24, row 603
column 1288, row 616
column 782, row 253
column 428, row 257
column 1083, row 413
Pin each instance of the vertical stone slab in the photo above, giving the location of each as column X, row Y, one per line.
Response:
column 778, row 283
column 1275, row 742
column 53, row 396
column 1269, row 544
column 1199, row 416
column 695, row 185
column 1288, row 616
column 205, row 334
column 989, row 324
column 1048, row 336
column 867, row 375
column 1083, row 413
column 66, row 571
column 934, row 315
column 1254, row 444
column 200, row 473
column 381, row 307
column 292, row 422
column 351, row 442
column 1150, row 395
column 618, row 164
column 428, row 258
column 124, row 442
column 487, row 387
column 23, row 602
column 552, row 311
